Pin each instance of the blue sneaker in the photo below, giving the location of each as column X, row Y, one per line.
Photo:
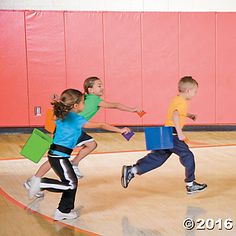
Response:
column 127, row 175
column 195, row 188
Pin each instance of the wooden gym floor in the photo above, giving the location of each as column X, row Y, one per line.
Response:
column 153, row 204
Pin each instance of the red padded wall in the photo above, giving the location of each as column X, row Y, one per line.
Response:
column 122, row 51
column 197, row 58
column 226, row 69
column 140, row 57
column 46, row 59
column 84, row 49
column 13, row 72
column 160, row 64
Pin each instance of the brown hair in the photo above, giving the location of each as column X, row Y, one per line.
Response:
column 89, row 82
column 65, row 103
column 186, row 82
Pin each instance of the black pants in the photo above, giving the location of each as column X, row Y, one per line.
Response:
column 68, row 184
column 156, row 158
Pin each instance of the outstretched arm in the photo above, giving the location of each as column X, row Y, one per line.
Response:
column 119, row 106
column 106, row 126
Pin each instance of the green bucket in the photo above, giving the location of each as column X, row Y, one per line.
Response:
column 36, row 146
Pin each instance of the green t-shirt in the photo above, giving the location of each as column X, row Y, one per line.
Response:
column 91, row 106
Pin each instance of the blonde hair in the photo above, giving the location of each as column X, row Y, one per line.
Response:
column 186, row 82
column 89, row 82
column 65, row 103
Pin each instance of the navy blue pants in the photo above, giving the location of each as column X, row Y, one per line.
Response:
column 156, row 158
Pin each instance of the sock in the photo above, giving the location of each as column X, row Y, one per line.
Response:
column 134, row 170
column 189, row 184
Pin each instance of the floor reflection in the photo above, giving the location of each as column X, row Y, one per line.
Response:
column 130, row 230
column 193, row 213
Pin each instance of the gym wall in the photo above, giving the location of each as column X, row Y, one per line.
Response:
column 139, row 55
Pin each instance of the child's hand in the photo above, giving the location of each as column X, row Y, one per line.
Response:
column 192, row 116
column 137, row 109
column 181, row 137
column 125, row 130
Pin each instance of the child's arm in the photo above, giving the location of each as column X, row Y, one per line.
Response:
column 105, row 126
column 192, row 116
column 119, row 106
column 177, row 125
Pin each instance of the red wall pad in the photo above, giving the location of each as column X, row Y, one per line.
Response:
column 160, row 64
column 46, row 59
column 226, row 69
column 140, row 57
column 84, row 49
column 122, row 50
column 13, row 73
column 197, row 58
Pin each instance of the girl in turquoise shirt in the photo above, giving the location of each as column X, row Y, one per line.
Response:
column 69, row 129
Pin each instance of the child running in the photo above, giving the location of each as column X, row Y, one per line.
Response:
column 177, row 112
column 68, row 131
column 93, row 88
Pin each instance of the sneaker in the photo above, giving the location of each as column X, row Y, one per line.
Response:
column 77, row 171
column 34, row 186
column 40, row 194
column 195, row 188
column 65, row 216
column 127, row 175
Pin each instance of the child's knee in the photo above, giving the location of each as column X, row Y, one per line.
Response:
column 91, row 145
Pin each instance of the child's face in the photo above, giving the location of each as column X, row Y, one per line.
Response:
column 97, row 88
column 190, row 93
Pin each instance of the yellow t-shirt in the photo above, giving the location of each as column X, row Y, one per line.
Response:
column 180, row 104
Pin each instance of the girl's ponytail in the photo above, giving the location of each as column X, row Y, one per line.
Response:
column 63, row 105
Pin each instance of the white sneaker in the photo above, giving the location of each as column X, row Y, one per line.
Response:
column 34, row 186
column 65, row 216
column 77, row 171
column 40, row 194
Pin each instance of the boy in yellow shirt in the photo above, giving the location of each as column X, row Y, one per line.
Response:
column 176, row 115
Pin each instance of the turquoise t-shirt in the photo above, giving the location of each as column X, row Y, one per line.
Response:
column 68, row 131
column 91, row 106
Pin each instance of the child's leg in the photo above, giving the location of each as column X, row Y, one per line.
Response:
column 152, row 161
column 186, row 158
column 43, row 169
column 86, row 149
column 88, row 145
column 63, row 168
column 67, row 185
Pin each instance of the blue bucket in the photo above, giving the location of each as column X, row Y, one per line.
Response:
column 158, row 138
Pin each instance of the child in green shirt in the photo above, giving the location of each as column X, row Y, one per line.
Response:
column 93, row 88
